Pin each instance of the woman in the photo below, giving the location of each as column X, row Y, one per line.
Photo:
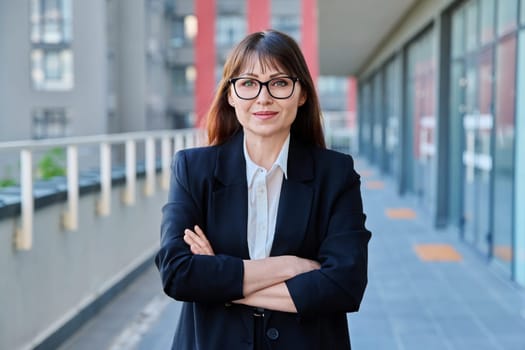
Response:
column 263, row 236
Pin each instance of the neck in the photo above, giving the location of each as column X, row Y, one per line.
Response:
column 264, row 151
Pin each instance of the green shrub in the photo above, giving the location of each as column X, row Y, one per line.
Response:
column 52, row 164
column 8, row 179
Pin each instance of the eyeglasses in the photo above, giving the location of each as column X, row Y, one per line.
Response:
column 249, row 88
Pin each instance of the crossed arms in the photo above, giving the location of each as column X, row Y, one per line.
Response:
column 263, row 280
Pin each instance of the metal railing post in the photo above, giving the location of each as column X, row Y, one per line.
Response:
column 24, row 234
column 166, row 161
column 70, row 217
column 104, row 204
column 131, row 173
column 149, row 188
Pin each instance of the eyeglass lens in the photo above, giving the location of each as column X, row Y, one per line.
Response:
column 248, row 88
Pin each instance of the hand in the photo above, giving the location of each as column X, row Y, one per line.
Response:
column 302, row 265
column 197, row 241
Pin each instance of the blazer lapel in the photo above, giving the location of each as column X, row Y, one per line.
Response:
column 230, row 199
column 295, row 202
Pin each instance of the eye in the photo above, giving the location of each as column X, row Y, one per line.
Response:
column 248, row 83
column 280, row 82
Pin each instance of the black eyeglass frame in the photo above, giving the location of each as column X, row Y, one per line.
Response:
column 261, row 84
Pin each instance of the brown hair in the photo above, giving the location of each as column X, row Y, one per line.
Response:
column 273, row 49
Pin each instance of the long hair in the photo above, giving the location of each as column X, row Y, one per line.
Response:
column 272, row 49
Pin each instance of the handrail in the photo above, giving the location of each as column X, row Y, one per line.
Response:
column 171, row 141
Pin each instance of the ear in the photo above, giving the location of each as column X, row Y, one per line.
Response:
column 230, row 100
column 302, row 99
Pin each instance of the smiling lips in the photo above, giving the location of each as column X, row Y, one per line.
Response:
column 264, row 114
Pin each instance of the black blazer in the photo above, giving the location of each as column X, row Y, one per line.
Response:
column 320, row 217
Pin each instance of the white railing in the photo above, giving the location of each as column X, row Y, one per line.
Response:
column 170, row 142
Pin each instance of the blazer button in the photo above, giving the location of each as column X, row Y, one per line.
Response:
column 227, row 304
column 272, row 333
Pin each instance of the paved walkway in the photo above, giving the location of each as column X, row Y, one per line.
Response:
column 427, row 290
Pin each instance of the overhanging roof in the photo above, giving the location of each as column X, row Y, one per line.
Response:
column 351, row 30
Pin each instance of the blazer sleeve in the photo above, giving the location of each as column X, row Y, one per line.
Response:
column 185, row 276
column 339, row 285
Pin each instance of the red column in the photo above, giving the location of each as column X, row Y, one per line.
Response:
column 309, row 36
column 258, row 15
column 352, row 102
column 204, row 58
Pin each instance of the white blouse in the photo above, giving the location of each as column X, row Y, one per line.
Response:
column 264, row 191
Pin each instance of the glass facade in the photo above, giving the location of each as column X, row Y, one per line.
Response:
column 393, row 114
column 482, row 133
column 377, row 123
column 504, row 150
column 519, row 200
column 487, row 25
column 522, row 13
column 507, row 10
column 420, row 110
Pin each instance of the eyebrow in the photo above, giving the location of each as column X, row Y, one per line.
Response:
column 257, row 76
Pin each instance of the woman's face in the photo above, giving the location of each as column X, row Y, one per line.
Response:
column 265, row 117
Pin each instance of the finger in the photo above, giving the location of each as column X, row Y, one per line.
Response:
column 200, row 237
column 195, row 237
column 195, row 249
column 190, row 239
column 199, row 232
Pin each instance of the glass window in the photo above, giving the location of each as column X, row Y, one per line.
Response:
column 50, row 122
column 504, row 150
column 190, row 27
column 392, row 99
column 421, row 107
column 183, row 30
column 487, row 21
column 51, row 21
column 522, row 12
column 51, row 69
column 51, row 36
column 183, row 79
column 507, row 10
column 519, row 243
column 332, row 85
column 290, row 24
column 230, row 30
column 471, row 26
column 458, row 37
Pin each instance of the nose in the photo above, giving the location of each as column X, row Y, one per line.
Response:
column 264, row 95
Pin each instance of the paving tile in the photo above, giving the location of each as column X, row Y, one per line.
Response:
column 437, row 252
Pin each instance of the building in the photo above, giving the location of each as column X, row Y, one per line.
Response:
column 441, row 111
column 81, row 68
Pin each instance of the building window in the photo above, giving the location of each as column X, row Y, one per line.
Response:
column 183, row 79
column 289, row 24
column 50, row 122
column 51, row 37
column 230, row 30
column 183, row 31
